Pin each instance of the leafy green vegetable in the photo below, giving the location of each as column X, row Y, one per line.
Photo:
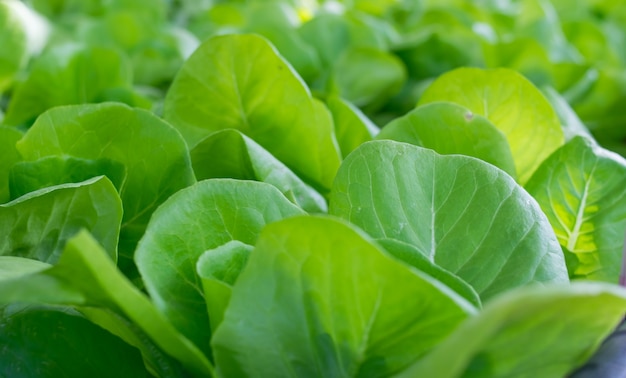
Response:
column 86, row 276
column 68, row 74
column 317, row 298
column 521, row 334
column 44, row 342
column 28, row 176
column 240, row 82
column 230, row 154
column 512, row 104
column 262, row 113
column 467, row 216
column 352, row 127
column 451, row 129
column 582, row 188
column 219, row 269
column 153, row 153
column 8, row 157
column 204, row 216
column 39, row 224
column 413, row 257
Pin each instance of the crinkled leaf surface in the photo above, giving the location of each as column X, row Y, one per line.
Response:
column 40, row 341
column 230, row 154
column 413, row 257
column 39, row 224
column 219, row 269
column 465, row 215
column 86, row 277
column 28, row 176
column 201, row 217
column 67, row 74
column 451, row 129
column 155, row 156
column 512, row 104
column 8, row 157
column 318, row 299
column 240, row 82
column 531, row 332
column 582, row 190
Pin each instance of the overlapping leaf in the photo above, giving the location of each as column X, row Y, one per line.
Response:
column 240, row 82
column 317, row 298
column 192, row 221
column 463, row 214
column 582, row 190
column 512, row 104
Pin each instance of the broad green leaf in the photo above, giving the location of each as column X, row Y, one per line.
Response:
column 352, row 127
column 40, row 341
column 582, row 190
column 8, row 157
column 413, row 257
column 230, row 154
column 512, row 104
column 22, row 33
column 368, row 77
column 318, row 299
column 192, row 221
column 28, row 176
column 240, row 82
column 67, row 74
column 451, row 129
column 39, row 224
column 13, row 267
column 155, row 156
column 465, row 215
column 219, row 269
column 531, row 332
column 85, row 277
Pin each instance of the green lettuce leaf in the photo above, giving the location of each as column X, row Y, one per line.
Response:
column 512, row 104
column 45, row 341
column 230, row 154
column 8, row 157
column 352, row 127
column 68, row 74
column 155, row 156
column 28, row 176
column 465, row 215
column 88, row 280
column 413, row 257
column 240, row 82
column 38, row 225
column 318, row 298
column 451, row 129
column 581, row 188
column 219, row 269
column 192, row 221
column 530, row 332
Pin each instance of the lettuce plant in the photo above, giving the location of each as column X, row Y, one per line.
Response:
column 321, row 189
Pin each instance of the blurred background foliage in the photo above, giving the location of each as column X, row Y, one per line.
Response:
column 378, row 55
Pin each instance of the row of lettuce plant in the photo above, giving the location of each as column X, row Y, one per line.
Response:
column 253, row 221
